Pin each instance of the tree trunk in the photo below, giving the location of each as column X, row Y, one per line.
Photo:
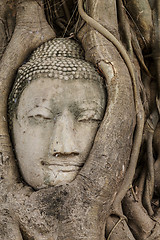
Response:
column 116, row 183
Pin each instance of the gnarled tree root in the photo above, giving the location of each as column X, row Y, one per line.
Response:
column 138, row 105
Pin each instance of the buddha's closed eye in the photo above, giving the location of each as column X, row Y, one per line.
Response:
column 89, row 115
column 40, row 114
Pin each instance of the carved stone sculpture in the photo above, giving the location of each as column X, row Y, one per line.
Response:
column 55, row 107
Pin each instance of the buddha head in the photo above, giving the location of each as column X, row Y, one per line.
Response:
column 55, row 108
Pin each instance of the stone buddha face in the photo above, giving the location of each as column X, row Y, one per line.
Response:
column 54, row 125
column 54, row 129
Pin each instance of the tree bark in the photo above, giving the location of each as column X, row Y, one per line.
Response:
column 85, row 208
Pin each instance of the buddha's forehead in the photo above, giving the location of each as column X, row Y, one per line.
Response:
column 49, row 92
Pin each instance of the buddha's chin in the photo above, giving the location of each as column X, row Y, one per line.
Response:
column 59, row 177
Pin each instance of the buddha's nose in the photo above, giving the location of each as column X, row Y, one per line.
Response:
column 63, row 140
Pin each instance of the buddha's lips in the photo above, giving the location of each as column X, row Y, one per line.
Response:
column 62, row 164
column 63, row 168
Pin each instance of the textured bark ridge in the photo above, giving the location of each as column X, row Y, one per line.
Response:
column 104, row 194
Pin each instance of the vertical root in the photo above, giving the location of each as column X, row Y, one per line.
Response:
column 138, row 105
column 149, row 186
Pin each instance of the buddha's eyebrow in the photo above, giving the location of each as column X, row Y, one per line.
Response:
column 92, row 105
